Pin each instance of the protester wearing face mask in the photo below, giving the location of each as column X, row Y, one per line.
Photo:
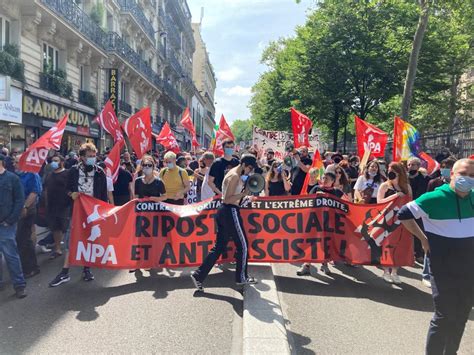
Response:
column 230, row 225
column 445, row 171
column 336, row 159
column 367, row 185
column 149, row 185
column 175, row 179
column 58, row 203
column 221, row 166
column 90, row 179
column 353, row 170
column 448, row 235
column 298, row 174
column 270, row 157
column 207, row 161
column 397, row 184
column 276, row 181
column 419, row 185
column 24, row 234
column 326, row 186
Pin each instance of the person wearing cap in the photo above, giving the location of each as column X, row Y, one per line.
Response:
column 336, row 158
column 229, row 224
column 12, row 199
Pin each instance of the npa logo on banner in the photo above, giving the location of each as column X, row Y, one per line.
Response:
column 370, row 138
column 138, row 130
column 34, row 157
column 315, row 228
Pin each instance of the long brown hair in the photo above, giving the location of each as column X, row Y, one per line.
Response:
column 399, row 169
column 343, row 180
column 271, row 173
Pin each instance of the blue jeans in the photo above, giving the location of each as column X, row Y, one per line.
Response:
column 10, row 251
column 426, row 273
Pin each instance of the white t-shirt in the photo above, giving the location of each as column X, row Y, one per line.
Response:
column 86, row 182
column 206, row 191
column 362, row 183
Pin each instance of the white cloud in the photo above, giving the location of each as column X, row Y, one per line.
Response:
column 230, row 74
column 237, row 91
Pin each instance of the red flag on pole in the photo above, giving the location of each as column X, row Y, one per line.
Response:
column 109, row 122
column 302, row 126
column 318, row 164
column 33, row 158
column 187, row 123
column 112, row 162
column 222, row 133
column 138, row 130
column 167, row 139
column 431, row 164
column 370, row 137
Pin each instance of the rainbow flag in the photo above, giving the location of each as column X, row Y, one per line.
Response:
column 318, row 164
column 406, row 140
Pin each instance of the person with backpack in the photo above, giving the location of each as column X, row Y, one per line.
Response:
column 176, row 180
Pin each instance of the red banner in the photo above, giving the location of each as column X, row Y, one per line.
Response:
column 187, row 123
column 370, row 137
column 222, row 133
column 34, row 157
column 315, row 228
column 302, row 126
column 109, row 122
column 167, row 139
column 138, row 130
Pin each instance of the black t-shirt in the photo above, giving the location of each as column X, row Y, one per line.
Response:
column 332, row 191
column 276, row 188
column 155, row 189
column 129, row 166
column 298, row 176
column 419, row 185
column 221, row 167
column 124, row 178
column 58, row 201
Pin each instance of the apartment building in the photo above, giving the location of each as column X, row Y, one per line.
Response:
column 74, row 55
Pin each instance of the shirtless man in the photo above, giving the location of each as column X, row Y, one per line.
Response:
column 229, row 224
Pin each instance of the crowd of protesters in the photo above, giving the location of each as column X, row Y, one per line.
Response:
column 28, row 200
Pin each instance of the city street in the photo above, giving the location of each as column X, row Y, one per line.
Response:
column 353, row 311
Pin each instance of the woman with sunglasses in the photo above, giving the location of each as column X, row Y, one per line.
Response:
column 148, row 185
column 342, row 183
column 276, row 182
column 397, row 184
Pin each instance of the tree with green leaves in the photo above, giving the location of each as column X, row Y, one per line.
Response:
column 242, row 130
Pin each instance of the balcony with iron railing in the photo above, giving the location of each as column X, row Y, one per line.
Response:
column 132, row 7
column 79, row 20
column 108, row 41
column 183, row 18
column 87, row 98
column 172, row 32
column 174, row 62
column 55, row 81
column 125, row 106
column 173, row 94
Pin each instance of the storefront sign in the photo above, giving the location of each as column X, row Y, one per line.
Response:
column 45, row 109
column 113, row 88
column 10, row 110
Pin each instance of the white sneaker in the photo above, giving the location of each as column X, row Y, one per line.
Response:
column 396, row 279
column 43, row 249
column 304, row 270
column 426, row 282
column 387, row 277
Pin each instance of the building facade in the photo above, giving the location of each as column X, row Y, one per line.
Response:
column 74, row 55
column 205, row 81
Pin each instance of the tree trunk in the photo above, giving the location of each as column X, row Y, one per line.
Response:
column 453, row 99
column 335, row 124
column 413, row 62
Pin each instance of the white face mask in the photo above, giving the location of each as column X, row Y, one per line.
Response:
column 148, row 171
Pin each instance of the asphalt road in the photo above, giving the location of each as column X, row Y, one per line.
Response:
column 118, row 313
column 355, row 312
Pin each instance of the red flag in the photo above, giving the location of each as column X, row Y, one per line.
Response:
column 187, row 123
column 302, row 126
column 112, row 162
column 33, row 158
column 109, row 122
column 431, row 164
column 318, row 164
column 138, row 130
column 167, row 139
column 370, row 137
column 222, row 133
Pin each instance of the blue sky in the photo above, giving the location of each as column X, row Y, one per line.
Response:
column 236, row 32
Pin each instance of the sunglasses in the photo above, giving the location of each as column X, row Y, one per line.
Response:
column 147, row 165
column 339, row 172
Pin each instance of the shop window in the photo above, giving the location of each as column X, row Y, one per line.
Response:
column 4, row 32
column 50, row 58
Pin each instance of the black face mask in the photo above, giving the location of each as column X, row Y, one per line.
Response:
column 392, row 175
column 88, row 168
column 337, row 160
column 413, row 172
